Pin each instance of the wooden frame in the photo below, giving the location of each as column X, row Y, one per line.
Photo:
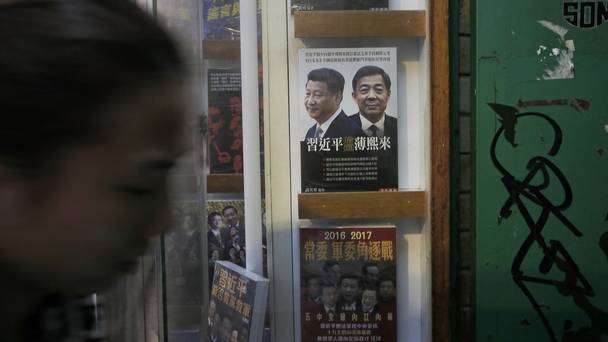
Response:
column 361, row 205
column 331, row 24
column 226, row 183
column 223, row 49
column 440, row 169
column 342, row 24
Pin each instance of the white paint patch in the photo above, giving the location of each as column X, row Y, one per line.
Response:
column 565, row 65
column 541, row 48
column 564, row 57
column 560, row 31
column 606, row 128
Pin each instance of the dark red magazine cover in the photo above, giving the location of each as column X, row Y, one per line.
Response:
column 348, row 284
column 225, row 121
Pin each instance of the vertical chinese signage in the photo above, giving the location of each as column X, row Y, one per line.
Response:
column 348, row 284
column 237, row 305
column 347, row 122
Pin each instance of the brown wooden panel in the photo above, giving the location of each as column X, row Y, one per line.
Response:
column 440, row 170
column 227, row 183
column 224, row 49
column 345, row 205
column 221, row 49
column 327, row 24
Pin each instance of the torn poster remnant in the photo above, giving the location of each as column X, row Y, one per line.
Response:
column 560, row 64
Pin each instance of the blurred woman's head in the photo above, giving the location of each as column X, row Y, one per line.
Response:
column 92, row 115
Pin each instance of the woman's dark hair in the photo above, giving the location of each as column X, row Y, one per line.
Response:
column 62, row 61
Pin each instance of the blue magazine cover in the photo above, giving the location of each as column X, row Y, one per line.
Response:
column 221, row 19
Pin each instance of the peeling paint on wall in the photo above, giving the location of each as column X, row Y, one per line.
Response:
column 560, row 31
column 561, row 58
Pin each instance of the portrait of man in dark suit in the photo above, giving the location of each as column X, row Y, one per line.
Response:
column 231, row 216
column 324, row 93
column 216, row 237
column 371, row 92
column 349, row 289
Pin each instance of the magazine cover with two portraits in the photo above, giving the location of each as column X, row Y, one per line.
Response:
column 347, row 119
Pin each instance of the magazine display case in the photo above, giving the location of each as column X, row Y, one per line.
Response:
column 420, row 206
column 416, row 210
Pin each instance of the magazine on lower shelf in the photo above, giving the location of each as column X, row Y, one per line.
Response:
column 237, row 306
column 347, row 280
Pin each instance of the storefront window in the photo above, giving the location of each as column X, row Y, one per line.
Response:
column 343, row 135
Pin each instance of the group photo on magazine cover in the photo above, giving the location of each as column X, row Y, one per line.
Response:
column 347, row 284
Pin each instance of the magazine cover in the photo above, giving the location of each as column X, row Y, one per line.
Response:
column 348, row 284
column 237, row 306
column 320, row 5
column 221, row 19
column 225, row 121
column 226, row 233
column 347, row 122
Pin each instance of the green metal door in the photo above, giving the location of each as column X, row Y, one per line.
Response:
column 540, row 170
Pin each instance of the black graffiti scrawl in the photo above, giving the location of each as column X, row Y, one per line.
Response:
column 527, row 196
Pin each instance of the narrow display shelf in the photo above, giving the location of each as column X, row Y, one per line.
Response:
column 226, row 183
column 343, row 24
column 224, row 49
column 360, row 205
column 221, row 49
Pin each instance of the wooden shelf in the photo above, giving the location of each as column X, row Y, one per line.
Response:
column 224, row 49
column 342, row 24
column 361, row 205
column 221, row 49
column 226, row 183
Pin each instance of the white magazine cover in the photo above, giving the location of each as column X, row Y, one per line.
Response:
column 347, row 119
